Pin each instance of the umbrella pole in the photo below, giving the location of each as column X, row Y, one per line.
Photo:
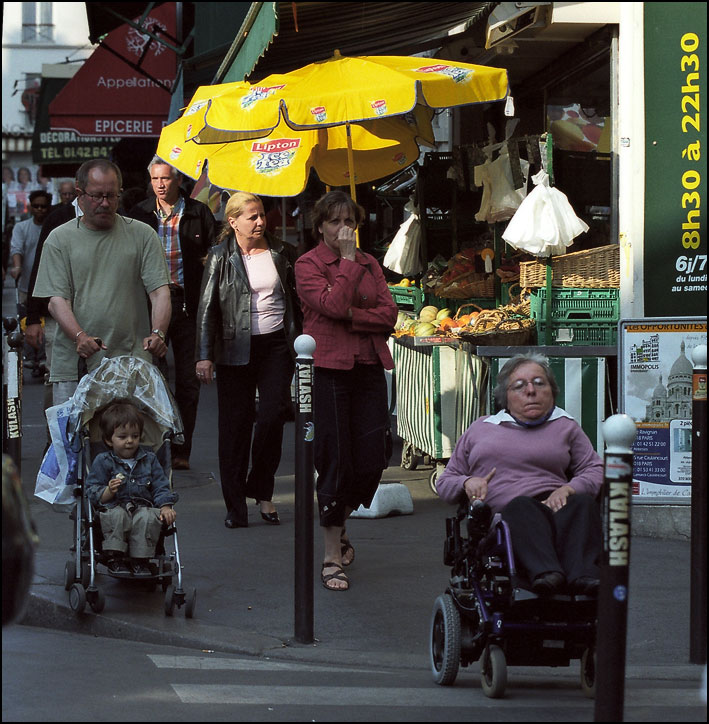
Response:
column 350, row 168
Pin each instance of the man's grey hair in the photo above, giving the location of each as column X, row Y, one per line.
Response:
column 82, row 175
column 503, row 378
column 157, row 161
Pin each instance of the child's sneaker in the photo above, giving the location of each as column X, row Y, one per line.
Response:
column 117, row 565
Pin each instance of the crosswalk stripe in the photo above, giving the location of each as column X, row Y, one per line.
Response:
column 221, row 664
column 433, row 696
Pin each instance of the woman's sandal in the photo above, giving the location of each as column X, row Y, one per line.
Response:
column 339, row 575
column 347, row 549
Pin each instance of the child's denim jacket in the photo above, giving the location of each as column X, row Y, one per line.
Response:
column 147, row 484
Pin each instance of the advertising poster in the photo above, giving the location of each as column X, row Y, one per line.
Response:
column 655, row 379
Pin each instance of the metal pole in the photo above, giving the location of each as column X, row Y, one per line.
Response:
column 619, row 432
column 12, row 389
column 698, row 556
column 304, row 487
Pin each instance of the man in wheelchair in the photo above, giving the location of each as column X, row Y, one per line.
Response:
column 129, row 487
column 533, row 463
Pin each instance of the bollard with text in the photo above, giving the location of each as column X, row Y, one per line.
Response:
column 619, row 432
column 304, row 484
column 12, row 391
column 698, row 550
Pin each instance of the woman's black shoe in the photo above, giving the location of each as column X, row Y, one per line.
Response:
column 231, row 522
column 271, row 517
column 548, row 582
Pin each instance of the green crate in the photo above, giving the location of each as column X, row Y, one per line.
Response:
column 408, row 298
column 577, row 305
column 579, row 334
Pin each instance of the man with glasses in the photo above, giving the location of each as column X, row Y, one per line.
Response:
column 186, row 229
column 96, row 271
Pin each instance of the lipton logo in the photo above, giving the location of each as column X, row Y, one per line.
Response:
column 195, row 107
column 188, row 132
column 281, row 144
column 258, row 93
column 400, row 158
column 319, row 113
column 457, row 74
column 272, row 157
column 379, row 107
column 175, row 153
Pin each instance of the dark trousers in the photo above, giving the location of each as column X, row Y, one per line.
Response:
column 242, row 429
column 350, row 413
column 181, row 335
column 568, row 541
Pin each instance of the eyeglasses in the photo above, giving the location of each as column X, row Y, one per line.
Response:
column 100, row 198
column 519, row 385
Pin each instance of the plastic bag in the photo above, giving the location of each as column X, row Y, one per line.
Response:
column 58, row 473
column 404, row 253
column 545, row 224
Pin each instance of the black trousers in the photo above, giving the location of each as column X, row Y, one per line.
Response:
column 181, row 335
column 350, row 413
column 243, row 430
column 568, row 541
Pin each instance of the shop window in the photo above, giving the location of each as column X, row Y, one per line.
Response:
column 37, row 26
column 578, row 117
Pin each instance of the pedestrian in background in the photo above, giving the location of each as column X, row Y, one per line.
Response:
column 248, row 320
column 96, row 271
column 349, row 311
column 187, row 229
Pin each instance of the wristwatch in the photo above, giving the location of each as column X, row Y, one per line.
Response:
column 159, row 332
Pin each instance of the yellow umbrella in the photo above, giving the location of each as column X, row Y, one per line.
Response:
column 278, row 164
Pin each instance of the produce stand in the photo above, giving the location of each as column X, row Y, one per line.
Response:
column 440, row 390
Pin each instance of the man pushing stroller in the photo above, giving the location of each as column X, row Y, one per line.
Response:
column 130, row 489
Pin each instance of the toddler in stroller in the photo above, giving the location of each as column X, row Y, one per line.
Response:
column 124, row 513
column 131, row 491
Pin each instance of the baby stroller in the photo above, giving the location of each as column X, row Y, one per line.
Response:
column 489, row 611
column 137, row 381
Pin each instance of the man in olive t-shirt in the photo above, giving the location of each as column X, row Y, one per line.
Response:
column 97, row 271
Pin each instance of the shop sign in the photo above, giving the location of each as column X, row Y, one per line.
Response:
column 655, row 388
column 675, row 248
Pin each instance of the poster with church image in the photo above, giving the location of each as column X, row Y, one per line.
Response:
column 655, row 380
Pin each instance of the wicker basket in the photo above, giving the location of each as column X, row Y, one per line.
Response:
column 471, row 286
column 507, row 333
column 595, row 269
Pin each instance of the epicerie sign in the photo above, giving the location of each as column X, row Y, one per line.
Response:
column 121, row 126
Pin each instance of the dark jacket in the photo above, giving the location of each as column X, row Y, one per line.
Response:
column 197, row 232
column 224, row 316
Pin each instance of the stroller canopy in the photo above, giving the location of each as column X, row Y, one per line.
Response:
column 128, row 378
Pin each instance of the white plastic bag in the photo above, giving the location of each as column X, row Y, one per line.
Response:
column 58, row 473
column 545, row 224
column 404, row 253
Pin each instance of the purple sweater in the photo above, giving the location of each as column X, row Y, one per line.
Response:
column 529, row 461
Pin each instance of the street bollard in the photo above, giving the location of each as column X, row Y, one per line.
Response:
column 619, row 433
column 304, row 486
column 698, row 554
column 12, row 391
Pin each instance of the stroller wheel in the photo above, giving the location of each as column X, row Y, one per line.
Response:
column 69, row 575
column 588, row 673
column 190, row 603
column 169, row 600
column 97, row 600
column 445, row 640
column 408, row 456
column 77, row 598
column 493, row 672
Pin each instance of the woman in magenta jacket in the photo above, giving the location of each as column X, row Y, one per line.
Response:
column 349, row 311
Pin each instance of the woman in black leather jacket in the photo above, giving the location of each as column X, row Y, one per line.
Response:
column 247, row 322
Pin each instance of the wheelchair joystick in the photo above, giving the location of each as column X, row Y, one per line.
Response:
column 479, row 517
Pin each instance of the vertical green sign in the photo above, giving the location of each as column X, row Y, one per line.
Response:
column 675, row 251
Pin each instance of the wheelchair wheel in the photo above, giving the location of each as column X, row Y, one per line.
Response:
column 409, row 460
column 588, row 673
column 445, row 640
column 493, row 672
column 77, row 598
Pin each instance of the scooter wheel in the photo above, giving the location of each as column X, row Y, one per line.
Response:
column 445, row 640
column 493, row 672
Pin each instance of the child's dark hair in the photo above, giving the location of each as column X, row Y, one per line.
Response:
column 117, row 414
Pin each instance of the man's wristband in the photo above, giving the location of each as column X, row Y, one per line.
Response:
column 78, row 334
column 159, row 333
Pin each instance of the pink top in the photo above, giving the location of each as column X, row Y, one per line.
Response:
column 268, row 305
column 528, row 461
column 329, row 287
